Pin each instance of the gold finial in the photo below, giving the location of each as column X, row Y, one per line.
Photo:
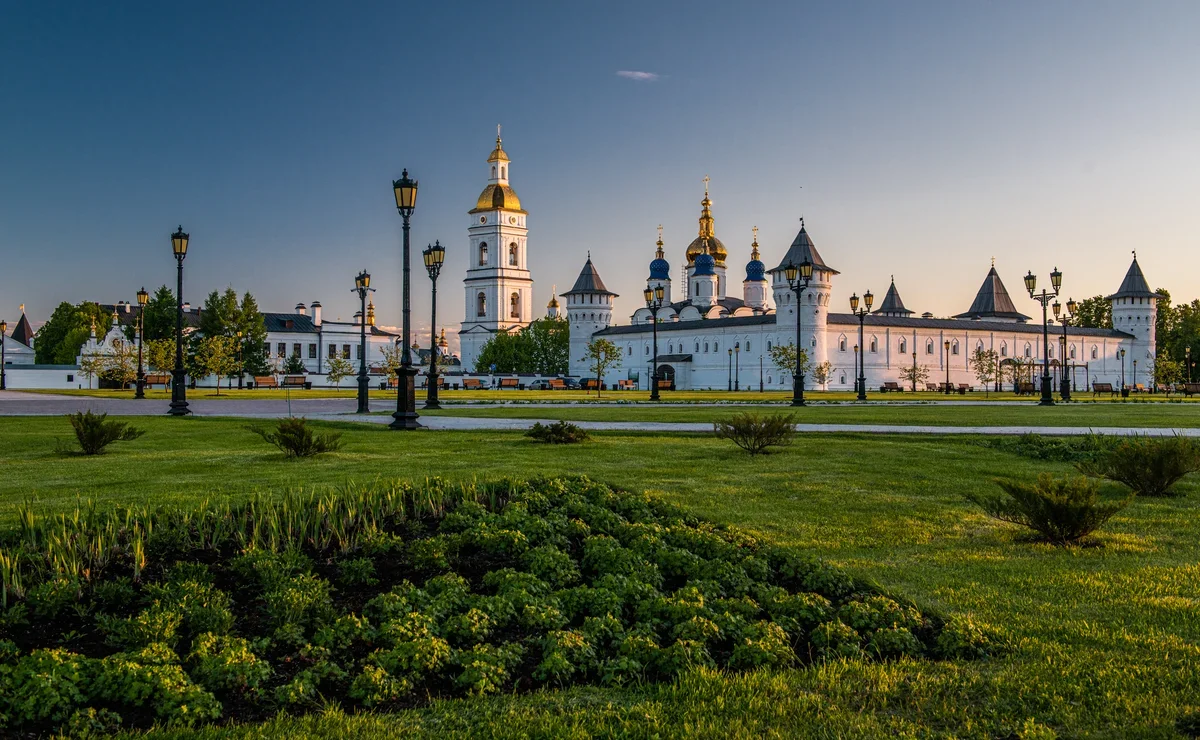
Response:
column 754, row 245
column 497, row 134
column 993, row 261
column 706, row 180
column 660, row 241
column 1134, row 255
column 371, row 313
column 755, row 231
column 22, row 308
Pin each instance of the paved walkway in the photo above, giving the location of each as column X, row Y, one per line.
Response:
column 341, row 409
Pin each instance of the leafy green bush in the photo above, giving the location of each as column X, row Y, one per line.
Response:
column 1149, row 466
column 94, row 432
column 513, row 586
column 294, row 438
column 557, row 433
column 1051, row 448
column 755, row 432
column 1062, row 511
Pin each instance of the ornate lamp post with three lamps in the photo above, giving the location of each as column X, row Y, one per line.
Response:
column 143, row 298
column 1044, row 298
column 1065, row 319
column 434, row 256
column 362, row 286
column 798, row 277
column 179, row 404
column 406, row 391
column 868, row 300
column 654, row 302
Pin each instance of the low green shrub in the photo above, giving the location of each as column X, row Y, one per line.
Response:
column 1061, row 510
column 294, row 438
column 95, row 433
column 755, row 432
column 557, row 433
column 1053, row 448
column 514, row 586
column 1149, row 466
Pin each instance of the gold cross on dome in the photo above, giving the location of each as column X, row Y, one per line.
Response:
column 706, row 181
column 497, row 131
column 755, row 230
column 660, row 232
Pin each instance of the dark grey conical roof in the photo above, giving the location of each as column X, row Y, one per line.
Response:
column 1134, row 285
column 589, row 281
column 892, row 305
column 23, row 332
column 803, row 250
column 992, row 301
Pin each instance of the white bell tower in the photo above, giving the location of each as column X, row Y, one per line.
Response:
column 499, row 290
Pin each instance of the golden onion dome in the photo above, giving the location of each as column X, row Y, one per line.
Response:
column 696, row 248
column 498, row 154
column 497, row 196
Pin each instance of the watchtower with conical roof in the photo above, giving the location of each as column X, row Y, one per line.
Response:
column 814, row 300
column 1135, row 311
column 589, row 309
column 499, row 289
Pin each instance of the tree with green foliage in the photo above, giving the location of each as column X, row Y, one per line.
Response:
column 783, row 356
column 544, row 346
column 159, row 314
column 253, row 327
column 91, row 366
column 603, row 355
column 337, row 370
column 294, row 366
column 160, row 354
column 120, row 365
column 985, row 363
column 59, row 340
column 1094, row 313
column 822, row 373
column 915, row 374
column 1166, row 372
column 391, row 359
column 220, row 358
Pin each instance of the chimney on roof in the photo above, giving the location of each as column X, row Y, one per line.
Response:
column 301, row 309
column 187, row 306
column 127, row 306
column 316, row 309
column 358, row 318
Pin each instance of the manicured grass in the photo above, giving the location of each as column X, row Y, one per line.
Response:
column 1024, row 414
column 1101, row 641
column 349, row 390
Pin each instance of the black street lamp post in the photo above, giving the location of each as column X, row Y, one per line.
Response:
column 143, row 298
column 1135, row 375
column 1124, row 390
column 179, row 404
column 729, row 372
column 1044, row 298
column 737, row 364
column 1187, row 362
column 3, row 344
column 914, row 372
column 946, row 362
column 868, row 300
column 362, row 286
column 406, row 391
column 1065, row 319
column 434, row 256
column 654, row 302
column 798, row 277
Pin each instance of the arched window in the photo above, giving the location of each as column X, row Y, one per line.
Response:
column 1028, row 350
column 903, row 347
column 716, row 347
column 503, row 172
column 979, row 346
column 1072, row 352
column 1095, row 352
column 493, row 172
column 842, row 344
column 768, row 345
column 647, row 350
column 629, row 350
column 954, row 347
column 747, row 345
column 483, row 253
column 697, row 346
column 1050, row 351
column 480, row 304
column 514, row 306
column 874, row 344
column 512, row 254
column 706, row 346
column 929, row 346
column 1004, row 349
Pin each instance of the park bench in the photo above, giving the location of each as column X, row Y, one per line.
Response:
column 963, row 388
column 626, row 385
column 930, row 387
column 265, row 381
column 666, row 385
column 1138, row 388
column 1188, row 389
column 295, row 381
column 556, row 384
column 589, row 384
column 891, row 385
column 1026, row 389
column 153, row 379
column 472, row 384
column 513, row 383
column 1098, row 388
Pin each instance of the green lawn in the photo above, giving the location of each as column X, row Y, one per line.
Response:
column 1028, row 413
column 1102, row 641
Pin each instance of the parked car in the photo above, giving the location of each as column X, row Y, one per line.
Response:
column 572, row 383
column 541, row 384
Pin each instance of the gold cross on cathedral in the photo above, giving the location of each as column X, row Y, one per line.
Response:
column 706, row 181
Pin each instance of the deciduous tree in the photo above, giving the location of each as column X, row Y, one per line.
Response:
column 602, row 356
column 985, row 363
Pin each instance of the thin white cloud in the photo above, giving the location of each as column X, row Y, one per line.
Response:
column 637, row 76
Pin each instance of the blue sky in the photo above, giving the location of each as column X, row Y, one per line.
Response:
column 917, row 139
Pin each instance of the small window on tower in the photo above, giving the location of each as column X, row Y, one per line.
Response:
column 480, row 304
column 514, row 306
column 512, row 254
column 503, row 172
column 483, row 253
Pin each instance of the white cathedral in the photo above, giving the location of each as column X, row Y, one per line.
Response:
column 709, row 339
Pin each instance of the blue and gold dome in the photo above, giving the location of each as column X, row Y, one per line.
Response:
column 705, row 263
column 660, row 269
column 755, row 270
